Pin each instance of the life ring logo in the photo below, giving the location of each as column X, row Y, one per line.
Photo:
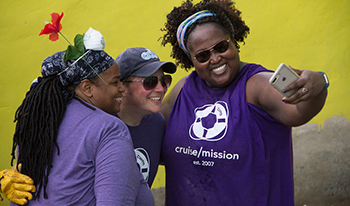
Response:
column 211, row 122
column 143, row 162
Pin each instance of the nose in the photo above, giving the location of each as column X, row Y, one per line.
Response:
column 122, row 88
column 214, row 56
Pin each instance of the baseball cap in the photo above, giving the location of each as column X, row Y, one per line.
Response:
column 141, row 62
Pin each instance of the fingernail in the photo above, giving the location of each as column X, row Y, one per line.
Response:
column 284, row 91
column 283, row 100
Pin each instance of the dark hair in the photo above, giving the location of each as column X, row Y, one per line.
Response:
column 38, row 119
column 224, row 9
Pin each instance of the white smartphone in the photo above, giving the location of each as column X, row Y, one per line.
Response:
column 283, row 77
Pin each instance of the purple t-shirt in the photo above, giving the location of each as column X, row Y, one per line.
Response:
column 221, row 150
column 96, row 164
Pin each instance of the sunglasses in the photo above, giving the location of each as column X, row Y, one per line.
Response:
column 220, row 47
column 151, row 82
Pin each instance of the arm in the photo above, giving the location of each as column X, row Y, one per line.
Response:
column 169, row 100
column 294, row 110
column 15, row 186
column 117, row 178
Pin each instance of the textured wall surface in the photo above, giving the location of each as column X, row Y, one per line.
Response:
column 322, row 163
column 309, row 34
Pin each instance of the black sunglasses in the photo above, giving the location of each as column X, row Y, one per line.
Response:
column 151, row 82
column 220, row 47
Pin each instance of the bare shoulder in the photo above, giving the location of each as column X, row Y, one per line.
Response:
column 169, row 100
column 257, row 86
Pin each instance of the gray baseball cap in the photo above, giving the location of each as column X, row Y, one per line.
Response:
column 141, row 62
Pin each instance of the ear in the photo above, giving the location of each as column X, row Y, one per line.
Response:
column 85, row 88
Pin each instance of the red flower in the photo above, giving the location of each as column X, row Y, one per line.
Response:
column 54, row 28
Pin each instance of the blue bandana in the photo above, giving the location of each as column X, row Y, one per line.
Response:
column 73, row 72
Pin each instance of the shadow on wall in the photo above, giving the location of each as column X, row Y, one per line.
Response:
column 321, row 165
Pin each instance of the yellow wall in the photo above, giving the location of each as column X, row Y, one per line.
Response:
column 308, row 34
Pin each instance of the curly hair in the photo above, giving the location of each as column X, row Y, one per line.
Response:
column 224, row 9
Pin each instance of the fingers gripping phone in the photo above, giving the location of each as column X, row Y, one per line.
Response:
column 283, row 77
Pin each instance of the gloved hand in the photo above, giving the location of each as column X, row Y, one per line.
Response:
column 16, row 186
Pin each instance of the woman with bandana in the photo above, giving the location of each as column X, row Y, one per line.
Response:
column 142, row 74
column 228, row 139
column 69, row 142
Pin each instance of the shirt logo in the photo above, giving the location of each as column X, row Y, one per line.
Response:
column 210, row 122
column 143, row 162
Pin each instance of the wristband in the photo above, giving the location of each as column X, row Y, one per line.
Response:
column 326, row 80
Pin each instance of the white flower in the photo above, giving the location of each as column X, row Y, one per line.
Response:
column 94, row 40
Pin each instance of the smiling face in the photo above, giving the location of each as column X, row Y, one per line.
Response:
column 140, row 101
column 222, row 68
column 108, row 97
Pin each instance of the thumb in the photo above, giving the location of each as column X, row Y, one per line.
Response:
column 20, row 167
column 15, row 176
column 298, row 71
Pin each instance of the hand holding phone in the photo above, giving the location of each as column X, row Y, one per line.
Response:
column 283, row 77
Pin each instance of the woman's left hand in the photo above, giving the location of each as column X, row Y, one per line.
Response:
column 308, row 86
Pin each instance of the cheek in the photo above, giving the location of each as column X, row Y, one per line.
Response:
column 134, row 91
column 115, row 90
column 98, row 94
column 202, row 70
column 199, row 66
column 233, row 53
column 136, row 95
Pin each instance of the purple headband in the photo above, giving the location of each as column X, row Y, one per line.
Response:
column 181, row 30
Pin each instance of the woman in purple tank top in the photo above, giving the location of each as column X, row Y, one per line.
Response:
column 228, row 137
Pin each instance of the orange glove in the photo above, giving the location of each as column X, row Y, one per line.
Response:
column 16, row 186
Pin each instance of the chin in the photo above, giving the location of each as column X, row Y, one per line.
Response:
column 155, row 110
column 116, row 110
column 219, row 83
column 228, row 79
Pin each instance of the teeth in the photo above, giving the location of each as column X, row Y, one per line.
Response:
column 155, row 98
column 219, row 69
column 118, row 99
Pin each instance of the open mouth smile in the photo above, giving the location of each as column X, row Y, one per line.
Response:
column 219, row 69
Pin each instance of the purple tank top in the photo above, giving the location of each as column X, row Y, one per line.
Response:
column 221, row 150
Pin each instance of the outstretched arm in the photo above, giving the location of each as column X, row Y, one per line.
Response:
column 17, row 187
column 295, row 110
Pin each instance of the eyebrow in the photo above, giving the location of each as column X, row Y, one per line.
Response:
column 116, row 77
